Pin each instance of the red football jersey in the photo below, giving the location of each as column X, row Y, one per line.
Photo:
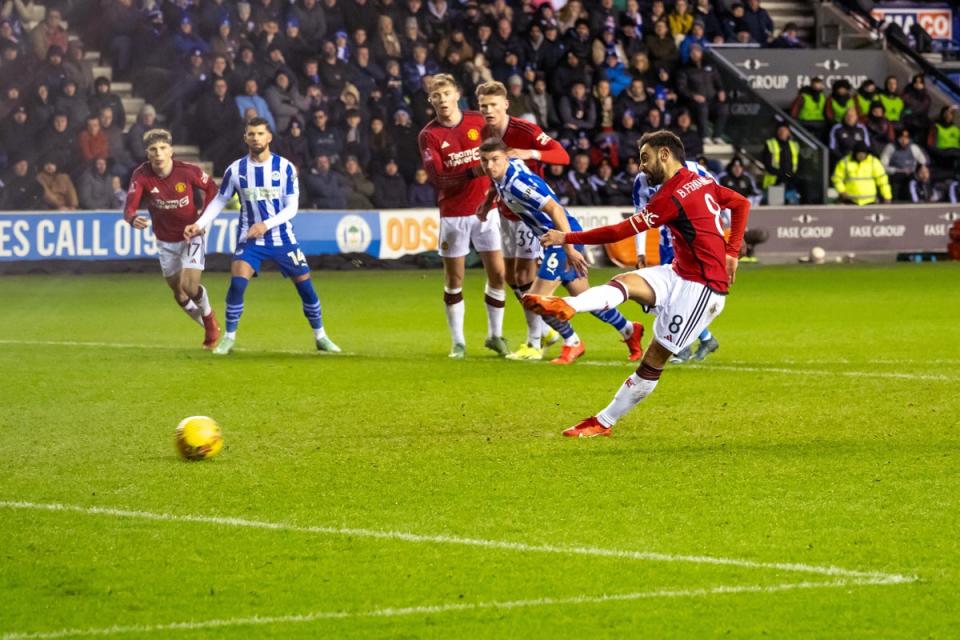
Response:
column 690, row 205
column 451, row 158
column 171, row 200
column 521, row 134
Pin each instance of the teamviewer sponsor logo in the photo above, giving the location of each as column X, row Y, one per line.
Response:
column 462, row 157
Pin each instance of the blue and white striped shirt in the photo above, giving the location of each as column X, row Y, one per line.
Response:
column 266, row 190
column 525, row 193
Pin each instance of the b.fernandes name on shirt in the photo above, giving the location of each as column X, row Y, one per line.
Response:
column 692, row 186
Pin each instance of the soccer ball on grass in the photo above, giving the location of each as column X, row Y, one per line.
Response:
column 199, row 438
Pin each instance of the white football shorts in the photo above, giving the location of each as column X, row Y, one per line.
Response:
column 187, row 254
column 519, row 240
column 683, row 309
column 457, row 233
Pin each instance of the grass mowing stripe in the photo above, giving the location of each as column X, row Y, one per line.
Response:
column 457, row 540
column 392, row 612
column 592, row 363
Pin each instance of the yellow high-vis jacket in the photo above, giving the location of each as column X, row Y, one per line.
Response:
column 861, row 180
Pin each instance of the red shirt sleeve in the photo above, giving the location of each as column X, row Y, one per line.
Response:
column 551, row 151
column 739, row 213
column 438, row 175
column 658, row 212
column 134, row 194
column 206, row 184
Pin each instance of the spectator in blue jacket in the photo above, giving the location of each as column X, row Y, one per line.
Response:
column 696, row 36
column 615, row 73
column 414, row 70
column 251, row 99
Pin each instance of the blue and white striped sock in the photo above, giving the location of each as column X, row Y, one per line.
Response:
column 615, row 319
column 235, row 303
column 311, row 305
column 705, row 335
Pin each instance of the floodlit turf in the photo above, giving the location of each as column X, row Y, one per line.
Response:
column 823, row 433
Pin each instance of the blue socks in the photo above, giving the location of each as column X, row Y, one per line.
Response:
column 235, row 302
column 705, row 335
column 311, row 303
column 612, row 317
column 562, row 327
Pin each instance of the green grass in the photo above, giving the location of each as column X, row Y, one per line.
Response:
column 789, row 445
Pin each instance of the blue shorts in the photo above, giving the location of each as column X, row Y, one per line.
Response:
column 554, row 266
column 288, row 257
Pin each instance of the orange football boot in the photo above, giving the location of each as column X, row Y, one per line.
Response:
column 633, row 343
column 589, row 428
column 549, row 306
column 211, row 331
column 569, row 354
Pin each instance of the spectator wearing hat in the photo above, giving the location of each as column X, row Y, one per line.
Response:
column 859, row 177
column 49, row 32
column 213, row 14
column 251, row 99
column 103, row 97
column 58, row 142
column 276, row 61
column 421, row 193
column 553, row 49
column 880, row 129
column 216, row 126
column 701, row 86
column 292, row 144
column 696, row 36
column 390, row 187
column 900, row 160
column 916, row 107
column 224, row 42
column 58, row 190
column 615, row 73
column 245, row 67
column 356, row 137
column 15, row 68
column 52, row 72
column 94, row 186
column 313, row 23
column 325, row 188
column 284, row 100
column 323, row 138
column 41, row 106
column 846, row 135
column 788, row 38
column 185, row 41
column 72, row 104
column 781, row 159
column 404, row 137
column 629, row 35
column 666, row 102
column 17, row 133
column 736, row 177
column 604, row 43
column 839, row 102
column 866, row 95
column 758, row 22
column 22, row 191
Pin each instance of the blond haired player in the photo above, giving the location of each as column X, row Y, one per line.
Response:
column 450, row 151
column 170, row 188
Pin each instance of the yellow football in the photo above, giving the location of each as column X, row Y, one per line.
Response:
column 198, row 438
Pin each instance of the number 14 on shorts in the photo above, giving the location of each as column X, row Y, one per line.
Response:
column 297, row 257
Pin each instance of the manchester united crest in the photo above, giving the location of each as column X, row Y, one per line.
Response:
column 473, row 134
column 180, row 187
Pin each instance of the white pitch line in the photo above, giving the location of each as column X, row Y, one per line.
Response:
column 393, row 612
column 457, row 540
column 591, row 363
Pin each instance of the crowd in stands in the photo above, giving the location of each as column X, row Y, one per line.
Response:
column 342, row 83
column 886, row 145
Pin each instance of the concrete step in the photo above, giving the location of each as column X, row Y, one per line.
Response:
column 101, row 70
column 186, row 151
column 132, row 105
column 122, row 89
column 92, row 55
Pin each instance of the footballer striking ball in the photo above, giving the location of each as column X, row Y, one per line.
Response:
column 199, row 438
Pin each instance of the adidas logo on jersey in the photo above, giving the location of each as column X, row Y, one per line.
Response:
column 154, row 190
column 444, row 145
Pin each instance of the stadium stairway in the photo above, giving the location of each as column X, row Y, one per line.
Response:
column 132, row 105
column 800, row 12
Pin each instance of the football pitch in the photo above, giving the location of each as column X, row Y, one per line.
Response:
column 804, row 481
